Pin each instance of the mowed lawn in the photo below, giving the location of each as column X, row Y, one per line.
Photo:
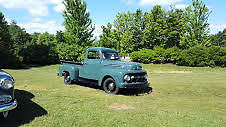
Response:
column 181, row 97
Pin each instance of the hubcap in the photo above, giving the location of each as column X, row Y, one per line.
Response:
column 68, row 78
column 111, row 86
column 5, row 114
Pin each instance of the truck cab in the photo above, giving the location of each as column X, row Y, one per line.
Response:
column 103, row 65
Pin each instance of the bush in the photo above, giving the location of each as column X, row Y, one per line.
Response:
column 158, row 55
column 41, row 54
column 172, row 54
column 203, row 56
column 143, row 56
column 197, row 56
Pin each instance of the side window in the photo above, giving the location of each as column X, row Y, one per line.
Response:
column 93, row 55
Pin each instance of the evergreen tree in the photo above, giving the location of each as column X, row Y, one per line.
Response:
column 5, row 43
column 19, row 36
column 77, row 23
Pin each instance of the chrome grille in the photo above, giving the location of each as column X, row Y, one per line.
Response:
column 5, row 99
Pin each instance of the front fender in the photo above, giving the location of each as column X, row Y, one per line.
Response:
column 117, row 75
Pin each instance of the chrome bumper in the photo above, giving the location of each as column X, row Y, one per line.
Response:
column 9, row 106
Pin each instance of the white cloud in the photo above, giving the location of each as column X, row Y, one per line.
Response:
column 34, row 7
column 157, row 2
column 129, row 2
column 214, row 28
column 59, row 8
column 98, row 31
column 50, row 27
column 8, row 20
column 181, row 6
column 37, row 19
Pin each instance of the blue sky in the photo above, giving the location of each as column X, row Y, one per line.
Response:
column 46, row 15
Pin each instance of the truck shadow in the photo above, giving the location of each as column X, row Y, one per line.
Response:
column 26, row 110
column 136, row 92
column 125, row 92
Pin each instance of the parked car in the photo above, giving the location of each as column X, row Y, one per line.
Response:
column 104, row 67
column 7, row 99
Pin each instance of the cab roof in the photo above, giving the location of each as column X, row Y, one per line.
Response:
column 100, row 49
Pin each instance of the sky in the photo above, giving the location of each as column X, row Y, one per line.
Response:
column 46, row 15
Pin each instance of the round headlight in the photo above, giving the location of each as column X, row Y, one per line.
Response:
column 6, row 84
column 127, row 78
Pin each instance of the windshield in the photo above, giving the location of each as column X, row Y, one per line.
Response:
column 111, row 55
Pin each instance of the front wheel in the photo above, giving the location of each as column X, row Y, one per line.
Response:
column 5, row 114
column 67, row 79
column 110, row 86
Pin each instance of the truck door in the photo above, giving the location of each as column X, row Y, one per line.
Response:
column 91, row 67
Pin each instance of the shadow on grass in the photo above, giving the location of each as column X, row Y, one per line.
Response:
column 24, row 67
column 125, row 92
column 136, row 92
column 25, row 112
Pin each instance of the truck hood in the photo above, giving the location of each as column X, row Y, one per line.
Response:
column 123, row 65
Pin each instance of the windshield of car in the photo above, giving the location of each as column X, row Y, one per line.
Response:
column 111, row 56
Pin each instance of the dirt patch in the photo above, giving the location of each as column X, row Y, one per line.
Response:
column 172, row 72
column 121, row 107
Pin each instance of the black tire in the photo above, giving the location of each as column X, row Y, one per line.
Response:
column 67, row 78
column 4, row 115
column 110, row 86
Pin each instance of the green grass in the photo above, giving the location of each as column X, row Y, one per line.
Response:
column 182, row 96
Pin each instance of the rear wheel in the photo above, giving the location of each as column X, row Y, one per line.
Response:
column 110, row 86
column 67, row 78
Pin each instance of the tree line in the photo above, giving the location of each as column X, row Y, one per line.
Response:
column 162, row 36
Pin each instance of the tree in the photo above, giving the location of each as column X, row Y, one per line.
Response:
column 108, row 37
column 154, row 28
column 7, row 56
column 42, row 50
column 219, row 39
column 77, row 23
column 138, row 19
column 196, row 25
column 60, row 37
column 19, row 36
column 174, row 28
column 123, row 24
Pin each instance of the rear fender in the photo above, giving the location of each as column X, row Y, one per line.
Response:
column 73, row 71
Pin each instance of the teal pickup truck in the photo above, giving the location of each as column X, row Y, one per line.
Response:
column 104, row 67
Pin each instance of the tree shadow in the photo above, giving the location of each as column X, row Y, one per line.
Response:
column 26, row 66
column 25, row 112
column 125, row 92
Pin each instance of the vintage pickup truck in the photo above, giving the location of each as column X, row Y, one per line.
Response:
column 103, row 66
column 7, row 100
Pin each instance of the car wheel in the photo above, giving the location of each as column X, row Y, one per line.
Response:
column 67, row 78
column 5, row 114
column 110, row 86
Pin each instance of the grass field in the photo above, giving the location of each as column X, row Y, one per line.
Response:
column 181, row 97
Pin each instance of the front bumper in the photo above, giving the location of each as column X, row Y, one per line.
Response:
column 137, row 85
column 9, row 106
